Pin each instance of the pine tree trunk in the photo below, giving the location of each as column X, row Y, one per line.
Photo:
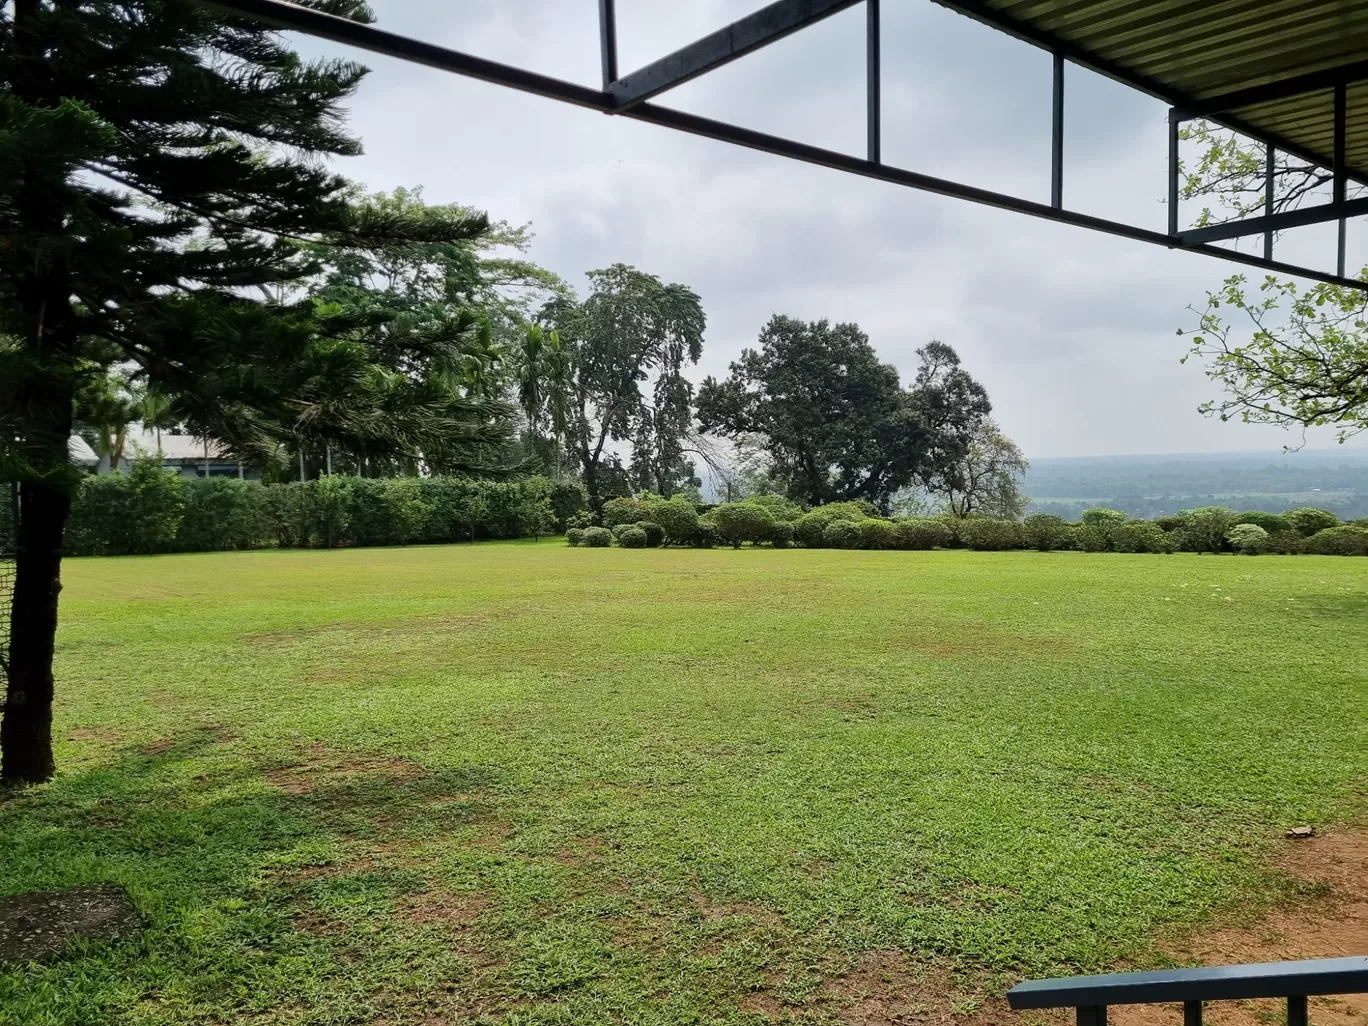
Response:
column 26, row 727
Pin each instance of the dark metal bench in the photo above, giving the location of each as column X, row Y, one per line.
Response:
column 1295, row 981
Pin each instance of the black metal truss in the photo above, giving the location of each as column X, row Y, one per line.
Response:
column 627, row 96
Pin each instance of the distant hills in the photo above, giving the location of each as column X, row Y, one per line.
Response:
column 1149, row 486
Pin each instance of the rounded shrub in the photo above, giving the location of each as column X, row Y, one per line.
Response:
column 622, row 511
column 987, row 534
column 1272, row 523
column 781, row 534
column 1286, row 543
column 812, row 526
column 780, row 509
column 877, row 534
column 740, row 522
column 677, row 517
column 617, row 529
column 1092, row 538
column 1205, row 528
column 1045, row 531
column 1308, row 521
column 1339, row 541
column 632, row 537
column 655, row 535
column 575, row 536
column 597, row 537
column 1100, row 516
column 1139, row 536
column 843, row 534
column 1171, row 523
column 705, row 535
column 1248, row 539
column 921, row 533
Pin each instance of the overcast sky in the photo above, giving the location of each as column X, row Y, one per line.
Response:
column 1072, row 332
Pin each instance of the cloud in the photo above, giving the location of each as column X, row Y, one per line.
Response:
column 1073, row 332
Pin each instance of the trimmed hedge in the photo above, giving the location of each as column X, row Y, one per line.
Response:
column 151, row 510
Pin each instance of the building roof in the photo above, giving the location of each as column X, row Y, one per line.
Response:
column 1268, row 67
column 80, row 452
column 175, row 447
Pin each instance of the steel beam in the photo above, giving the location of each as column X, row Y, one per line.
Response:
column 1318, row 214
column 873, row 81
column 281, row 14
column 1057, row 136
column 1268, row 198
column 1314, row 81
column 1341, row 120
column 765, row 26
column 608, row 41
column 1173, row 167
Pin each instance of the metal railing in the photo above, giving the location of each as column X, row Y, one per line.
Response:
column 1294, row 981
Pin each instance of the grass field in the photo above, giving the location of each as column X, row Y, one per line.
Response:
column 552, row 785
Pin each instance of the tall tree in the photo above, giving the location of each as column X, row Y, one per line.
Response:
column 1293, row 356
column 160, row 172
column 836, row 424
column 989, row 478
column 632, row 330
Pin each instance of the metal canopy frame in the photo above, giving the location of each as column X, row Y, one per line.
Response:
column 629, row 96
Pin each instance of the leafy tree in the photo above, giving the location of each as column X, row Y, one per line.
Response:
column 835, row 423
column 1294, row 356
column 161, row 198
column 1307, row 520
column 953, row 408
column 633, row 329
column 988, row 480
column 739, row 522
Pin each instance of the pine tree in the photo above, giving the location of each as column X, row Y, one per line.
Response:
column 162, row 197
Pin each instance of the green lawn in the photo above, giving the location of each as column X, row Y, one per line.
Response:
column 553, row 785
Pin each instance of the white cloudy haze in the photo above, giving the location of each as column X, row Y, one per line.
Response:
column 1072, row 332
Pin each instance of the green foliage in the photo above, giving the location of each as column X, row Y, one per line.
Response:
column 624, row 510
column 877, row 534
column 987, row 534
column 1248, row 539
column 137, row 512
column 224, row 513
column 332, row 510
column 781, row 534
column 597, row 537
column 1339, row 541
column 568, row 499
column 811, row 527
column 1286, row 543
column 842, row 534
column 677, row 517
column 1205, row 528
column 922, row 533
column 780, row 509
column 740, row 522
column 1045, row 532
column 617, row 529
column 1140, row 536
column 584, row 518
column 632, row 537
column 1308, row 521
column 1100, row 516
column 1272, row 523
column 574, row 536
column 1092, row 538
column 655, row 534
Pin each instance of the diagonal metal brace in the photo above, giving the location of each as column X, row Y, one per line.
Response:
column 765, row 26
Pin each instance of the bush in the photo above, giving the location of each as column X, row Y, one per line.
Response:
column 1339, row 541
column 1171, row 523
column 811, row 527
column 224, row 513
column 1100, row 516
column 877, row 534
column 1307, row 521
column 677, row 517
column 597, row 537
column 568, row 499
column 843, row 534
column 617, row 529
column 1272, row 523
column 705, row 536
column 781, row 534
column 116, row 514
column 739, row 522
column 987, row 534
column 1138, row 536
column 1248, row 539
column 1286, row 543
column 632, row 537
column 780, row 509
column 1091, row 538
column 575, row 536
column 921, row 533
column 617, row 512
column 1045, row 532
column 655, row 536
column 1205, row 528
column 582, row 519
